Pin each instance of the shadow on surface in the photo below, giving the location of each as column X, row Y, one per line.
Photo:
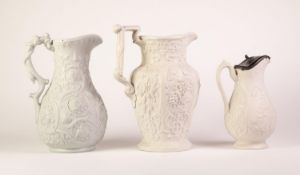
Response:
column 214, row 144
column 117, row 143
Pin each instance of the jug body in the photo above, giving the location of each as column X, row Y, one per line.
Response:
column 71, row 116
column 165, row 93
column 250, row 117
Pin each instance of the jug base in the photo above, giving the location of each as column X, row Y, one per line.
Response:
column 245, row 145
column 165, row 146
column 77, row 150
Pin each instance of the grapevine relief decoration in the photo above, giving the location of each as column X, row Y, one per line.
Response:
column 163, row 89
column 164, row 104
column 148, row 101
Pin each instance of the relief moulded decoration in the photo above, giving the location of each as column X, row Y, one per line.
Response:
column 249, row 115
column 70, row 116
column 163, row 89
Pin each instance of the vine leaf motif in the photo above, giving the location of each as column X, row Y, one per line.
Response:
column 71, row 114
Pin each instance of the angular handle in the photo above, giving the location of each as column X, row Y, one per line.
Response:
column 234, row 77
column 34, row 76
column 118, row 74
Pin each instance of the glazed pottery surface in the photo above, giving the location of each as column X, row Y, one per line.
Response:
column 249, row 115
column 163, row 89
column 70, row 116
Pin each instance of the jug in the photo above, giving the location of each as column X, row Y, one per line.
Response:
column 249, row 115
column 70, row 116
column 163, row 89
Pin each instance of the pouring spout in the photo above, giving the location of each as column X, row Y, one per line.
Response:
column 93, row 40
column 189, row 37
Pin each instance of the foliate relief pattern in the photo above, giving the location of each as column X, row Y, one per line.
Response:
column 181, row 92
column 236, row 119
column 72, row 113
column 148, row 102
column 263, row 121
column 157, row 50
column 253, row 117
column 165, row 104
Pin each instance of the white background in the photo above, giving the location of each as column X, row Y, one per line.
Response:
column 226, row 30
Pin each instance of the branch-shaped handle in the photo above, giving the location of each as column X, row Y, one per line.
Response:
column 34, row 76
column 234, row 77
column 118, row 74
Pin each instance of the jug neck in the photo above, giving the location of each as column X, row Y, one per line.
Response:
column 165, row 49
column 74, row 51
column 81, row 44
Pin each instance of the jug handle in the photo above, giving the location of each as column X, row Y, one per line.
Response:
column 34, row 76
column 233, row 76
column 118, row 73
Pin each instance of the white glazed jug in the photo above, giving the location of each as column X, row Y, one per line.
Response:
column 249, row 115
column 163, row 89
column 71, row 116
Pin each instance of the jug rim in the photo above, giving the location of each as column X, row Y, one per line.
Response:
column 165, row 37
column 88, row 37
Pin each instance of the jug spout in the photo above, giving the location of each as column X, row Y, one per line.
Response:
column 252, row 68
column 94, row 40
column 189, row 37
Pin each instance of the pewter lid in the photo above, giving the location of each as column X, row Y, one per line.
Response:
column 251, row 62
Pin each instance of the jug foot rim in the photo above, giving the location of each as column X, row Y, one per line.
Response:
column 76, row 150
column 245, row 145
column 165, row 146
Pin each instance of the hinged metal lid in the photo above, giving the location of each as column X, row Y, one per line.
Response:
column 251, row 62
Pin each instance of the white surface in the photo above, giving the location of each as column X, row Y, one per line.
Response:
column 70, row 95
column 250, row 117
column 226, row 30
column 158, row 87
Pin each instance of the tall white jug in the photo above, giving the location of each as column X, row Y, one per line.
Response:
column 70, row 116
